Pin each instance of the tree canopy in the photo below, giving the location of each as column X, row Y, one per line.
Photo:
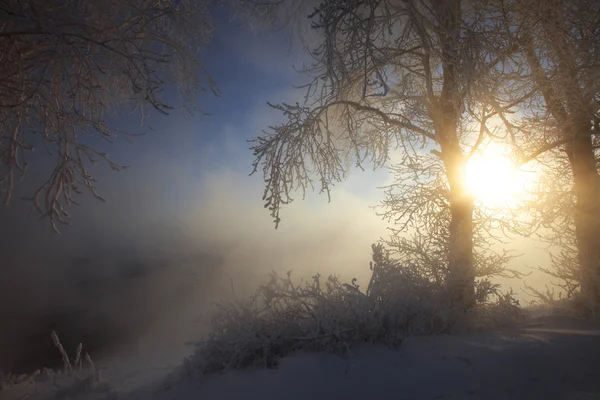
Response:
column 68, row 65
column 436, row 81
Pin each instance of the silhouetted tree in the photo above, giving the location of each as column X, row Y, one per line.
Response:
column 390, row 77
column 417, row 204
column 557, row 60
column 67, row 64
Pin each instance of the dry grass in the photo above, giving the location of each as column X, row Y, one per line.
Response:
column 78, row 377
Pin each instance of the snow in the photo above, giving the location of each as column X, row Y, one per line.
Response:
column 546, row 357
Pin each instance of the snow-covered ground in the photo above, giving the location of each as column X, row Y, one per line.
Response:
column 546, row 357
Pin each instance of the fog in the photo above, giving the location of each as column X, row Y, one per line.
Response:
column 178, row 227
column 125, row 270
column 130, row 268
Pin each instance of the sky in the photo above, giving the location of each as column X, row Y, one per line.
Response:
column 188, row 201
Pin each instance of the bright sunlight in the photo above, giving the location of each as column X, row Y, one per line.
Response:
column 492, row 178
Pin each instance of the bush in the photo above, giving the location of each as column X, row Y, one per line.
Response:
column 328, row 315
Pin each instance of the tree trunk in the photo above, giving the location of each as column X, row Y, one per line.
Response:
column 460, row 255
column 461, row 278
column 586, row 187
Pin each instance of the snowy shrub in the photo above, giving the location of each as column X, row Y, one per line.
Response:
column 572, row 303
column 496, row 310
column 327, row 315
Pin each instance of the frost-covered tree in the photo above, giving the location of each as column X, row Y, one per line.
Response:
column 417, row 204
column 556, row 60
column 68, row 64
column 391, row 77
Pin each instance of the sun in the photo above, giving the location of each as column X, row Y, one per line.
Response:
column 492, row 178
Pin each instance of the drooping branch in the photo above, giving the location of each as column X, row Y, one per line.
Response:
column 68, row 64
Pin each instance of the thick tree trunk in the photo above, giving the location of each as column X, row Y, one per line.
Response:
column 461, row 278
column 460, row 256
column 586, row 187
column 575, row 126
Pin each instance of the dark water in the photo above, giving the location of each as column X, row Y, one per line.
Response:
column 100, row 302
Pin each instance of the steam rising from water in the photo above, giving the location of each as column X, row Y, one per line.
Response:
column 112, row 282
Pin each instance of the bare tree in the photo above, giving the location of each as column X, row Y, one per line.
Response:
column 68, row 64
column 558, row 51
column 390, row 77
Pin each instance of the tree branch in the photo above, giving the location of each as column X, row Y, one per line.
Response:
column 386, row 118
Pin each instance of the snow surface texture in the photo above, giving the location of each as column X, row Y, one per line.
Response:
column 546, row 357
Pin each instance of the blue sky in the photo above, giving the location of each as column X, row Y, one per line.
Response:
column 192, row 173
column 250, row 69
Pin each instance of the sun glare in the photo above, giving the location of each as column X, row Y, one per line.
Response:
column 492, row 178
